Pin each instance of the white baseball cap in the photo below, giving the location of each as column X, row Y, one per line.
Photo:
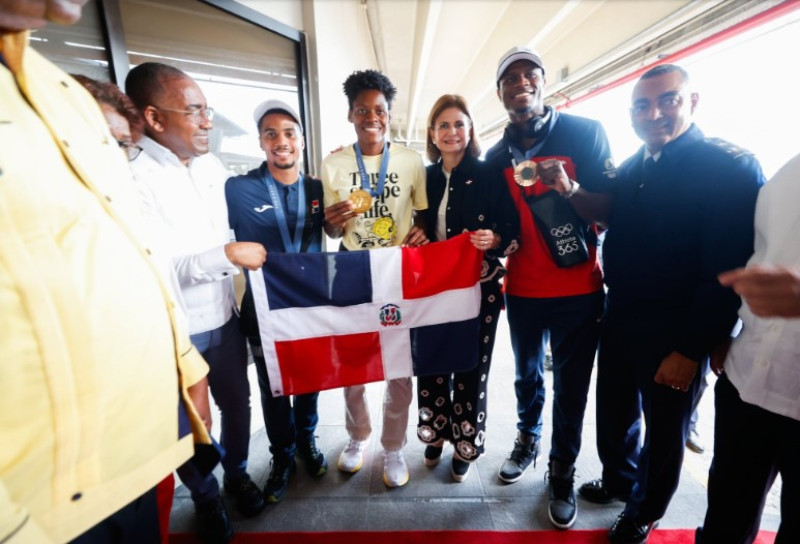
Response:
column 518, row 53
column 274, row 105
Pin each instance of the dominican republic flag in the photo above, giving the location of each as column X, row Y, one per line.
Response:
column 329, row 320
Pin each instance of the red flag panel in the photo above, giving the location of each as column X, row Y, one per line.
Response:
column 455, row 264
column 328, row 362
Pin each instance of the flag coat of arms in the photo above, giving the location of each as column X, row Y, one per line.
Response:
column 330, row 320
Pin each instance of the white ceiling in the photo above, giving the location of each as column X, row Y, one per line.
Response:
column 432, row 47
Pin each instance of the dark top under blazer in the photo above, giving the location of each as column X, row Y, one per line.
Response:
column 474, row 202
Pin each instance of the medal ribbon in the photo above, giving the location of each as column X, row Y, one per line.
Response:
column 289, row 245
column 533, row 151
column 520, row 157
column 362, row 170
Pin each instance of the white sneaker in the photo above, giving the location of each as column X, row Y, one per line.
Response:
column 351, row 458
column 395, row 471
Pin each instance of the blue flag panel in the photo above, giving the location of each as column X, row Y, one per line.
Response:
column 445, row 348
column 305, row 280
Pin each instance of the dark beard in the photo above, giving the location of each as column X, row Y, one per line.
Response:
column 523, row 111
column 285, row 166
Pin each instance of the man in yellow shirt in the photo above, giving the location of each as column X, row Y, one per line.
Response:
column 95, row 399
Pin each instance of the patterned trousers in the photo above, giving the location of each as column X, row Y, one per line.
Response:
column 452, row 407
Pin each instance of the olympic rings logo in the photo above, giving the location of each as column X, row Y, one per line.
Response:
column 562, row 230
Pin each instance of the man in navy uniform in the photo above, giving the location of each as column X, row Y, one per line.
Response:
column 682, row 212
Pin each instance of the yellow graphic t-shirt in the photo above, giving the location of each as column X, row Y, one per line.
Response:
column 389, row 219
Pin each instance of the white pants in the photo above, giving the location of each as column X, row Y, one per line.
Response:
column 396, row 402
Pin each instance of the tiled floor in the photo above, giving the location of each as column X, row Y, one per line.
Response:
column 431, row 500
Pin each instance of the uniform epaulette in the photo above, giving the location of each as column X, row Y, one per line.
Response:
column 733, row 150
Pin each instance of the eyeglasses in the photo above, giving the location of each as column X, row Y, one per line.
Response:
column 131, row 149
column 196, row 115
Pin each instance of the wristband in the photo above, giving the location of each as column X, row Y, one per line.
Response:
column 573, row 188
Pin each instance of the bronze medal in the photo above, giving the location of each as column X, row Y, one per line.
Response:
column 361, row 199
column 525, row 173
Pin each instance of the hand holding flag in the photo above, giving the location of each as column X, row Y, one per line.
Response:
column 330, row 320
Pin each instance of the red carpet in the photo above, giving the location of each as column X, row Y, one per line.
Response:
column 660, row 536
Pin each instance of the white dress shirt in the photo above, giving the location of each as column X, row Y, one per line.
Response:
column 189, row 205
column 764, row 361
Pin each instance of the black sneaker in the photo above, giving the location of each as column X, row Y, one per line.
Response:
column 249, row 499
column 627, row 530
column 315, row 461
column 598, row 492
column 525, row 452
column 562, row 510
column 433, row 454
column 280, row 471
column 215, row 527
column 459, row 469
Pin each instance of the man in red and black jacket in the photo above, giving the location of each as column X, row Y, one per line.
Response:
column 554, row 280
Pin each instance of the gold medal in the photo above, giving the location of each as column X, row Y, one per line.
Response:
column 361, row 199
column 525, row 173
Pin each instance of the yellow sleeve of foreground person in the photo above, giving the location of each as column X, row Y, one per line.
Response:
column 16, row 525
column 94, row 362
